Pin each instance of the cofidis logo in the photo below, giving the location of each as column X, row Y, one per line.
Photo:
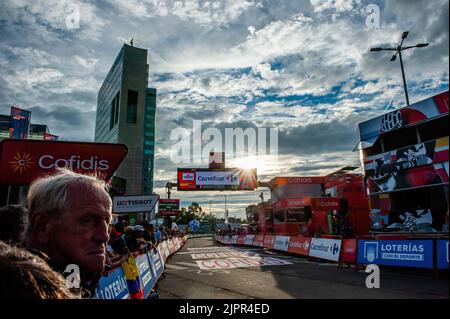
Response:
column 21, row 162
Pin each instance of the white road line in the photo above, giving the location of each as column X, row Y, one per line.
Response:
column 169, row 266
column 186, row 264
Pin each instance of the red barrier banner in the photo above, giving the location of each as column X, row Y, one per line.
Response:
column 349, row 252
column 299, row 245
column 241, row 240
column 268, row 241
column 258, row 241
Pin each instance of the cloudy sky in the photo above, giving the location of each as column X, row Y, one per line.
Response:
column 302, row 67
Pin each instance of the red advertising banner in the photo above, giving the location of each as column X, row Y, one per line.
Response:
column 268, row 241
column 326, row 203
column 299, row 245
column 258, row 241
column 22, row 161
column 280, row 181
column 291, row 203
column 241, row 240
column 349, row 252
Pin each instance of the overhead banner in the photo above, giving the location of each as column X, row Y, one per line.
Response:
column 325, row 248
column 22, row 161
column 404, row 253
column 216, row 179
column 113, row 286
column 19, row 123
column 169, row 207
column 134, row 204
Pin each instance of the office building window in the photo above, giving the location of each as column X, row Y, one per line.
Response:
column 114, row 111
column 132, row 106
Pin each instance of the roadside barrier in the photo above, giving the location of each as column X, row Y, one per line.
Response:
column 149, row 267
column 387, row 249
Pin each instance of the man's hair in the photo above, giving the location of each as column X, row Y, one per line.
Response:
column 24, row 275
column 13, row 220
column 50, row 193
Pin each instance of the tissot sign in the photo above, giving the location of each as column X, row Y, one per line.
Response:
column 22, row 161
column 134, row 204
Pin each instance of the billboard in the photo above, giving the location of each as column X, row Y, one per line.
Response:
column 19, row 123
column 22, row 161
column 134, row 204
column 216, row 179
column 169, row 207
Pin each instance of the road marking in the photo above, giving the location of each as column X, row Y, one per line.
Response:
column 230, row 263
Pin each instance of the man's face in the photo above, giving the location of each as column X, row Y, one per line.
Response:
column 80, row 236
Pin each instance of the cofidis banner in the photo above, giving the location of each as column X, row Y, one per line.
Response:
column 145, row 274
column 442, row 253
column 114, row 286
column 404, row 253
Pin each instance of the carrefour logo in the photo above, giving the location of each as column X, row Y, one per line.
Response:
column 334, row 249
column 232, row 178
column 21, row 163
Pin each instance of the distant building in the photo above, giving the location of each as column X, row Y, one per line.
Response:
column 36, row 131
column 126, row 114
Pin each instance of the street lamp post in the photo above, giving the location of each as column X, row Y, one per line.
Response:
column 226, row 211
column 398, row 50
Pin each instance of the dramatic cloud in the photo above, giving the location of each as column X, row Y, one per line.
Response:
column 303, row 67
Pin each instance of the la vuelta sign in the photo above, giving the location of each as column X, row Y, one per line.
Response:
column 22, row 161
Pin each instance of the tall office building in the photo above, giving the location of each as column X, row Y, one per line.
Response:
column 126, row 114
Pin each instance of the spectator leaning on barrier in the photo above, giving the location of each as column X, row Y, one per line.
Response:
column 24, row 275
column 69, row 217
column 13, row 223
column 149, row 234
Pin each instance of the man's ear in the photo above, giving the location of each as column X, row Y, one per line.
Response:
column 41, row 226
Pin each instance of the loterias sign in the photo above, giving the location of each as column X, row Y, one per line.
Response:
column 22, row 161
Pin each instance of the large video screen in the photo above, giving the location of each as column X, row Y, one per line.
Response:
column 192, row 179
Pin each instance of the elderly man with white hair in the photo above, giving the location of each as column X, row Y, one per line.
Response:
column 69, row 220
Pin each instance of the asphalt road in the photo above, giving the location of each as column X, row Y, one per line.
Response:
column 285, row 276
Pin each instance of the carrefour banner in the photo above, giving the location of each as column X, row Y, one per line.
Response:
column 442, row 253
column 281, row 243
column 403, row 253
column 325, row 248
column 113, row 286
column 145, row 274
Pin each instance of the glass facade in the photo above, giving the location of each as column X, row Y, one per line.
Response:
column 126, row 114
column 149, row 140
